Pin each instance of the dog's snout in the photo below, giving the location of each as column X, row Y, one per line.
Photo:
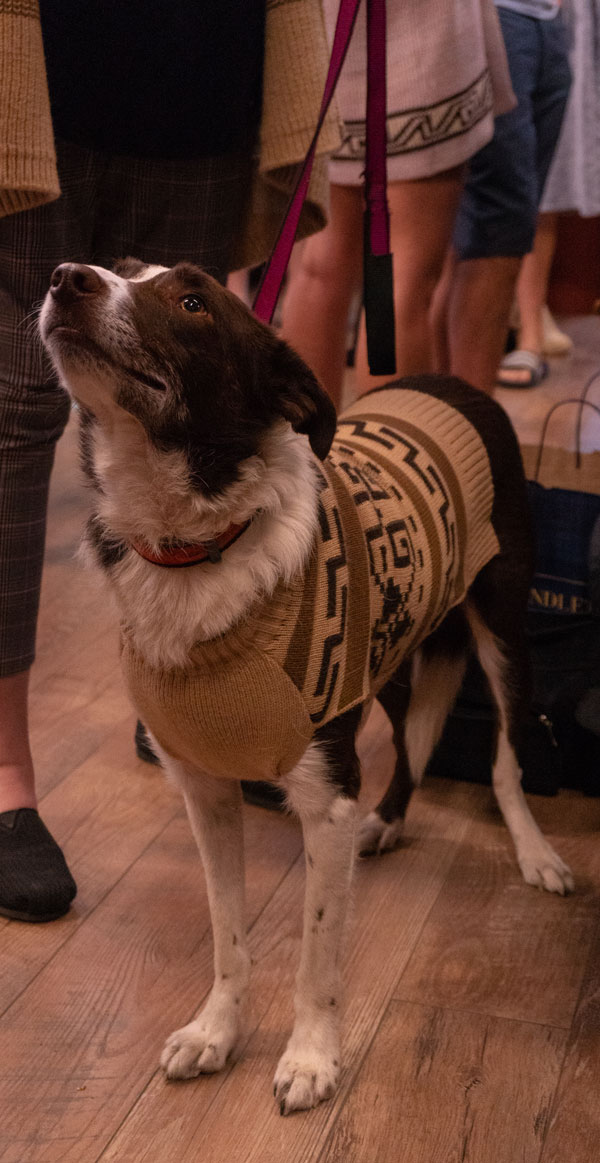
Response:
column 75, row 280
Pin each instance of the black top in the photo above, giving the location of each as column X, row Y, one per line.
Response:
column 155, row 78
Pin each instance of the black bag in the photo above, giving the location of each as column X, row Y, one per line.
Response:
column 561, row 740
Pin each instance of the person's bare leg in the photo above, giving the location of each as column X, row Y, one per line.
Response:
column 317, row 301
column 478, row 309
column 532, row 285
column 17, row 788
column 422, row 215
column 438, row 315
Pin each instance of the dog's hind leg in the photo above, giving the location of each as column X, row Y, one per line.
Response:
column 308, row 1070
column 417, row 700
column 215, row 812
column 502, row 651
column 381, row 829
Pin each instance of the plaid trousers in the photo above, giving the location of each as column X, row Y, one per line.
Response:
column 160, row 211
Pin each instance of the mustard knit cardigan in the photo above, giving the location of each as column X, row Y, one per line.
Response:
column 296, row 57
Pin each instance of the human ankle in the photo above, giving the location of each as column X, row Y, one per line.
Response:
column 16, row 787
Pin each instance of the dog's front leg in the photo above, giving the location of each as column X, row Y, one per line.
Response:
column 214, row 810
column 309, row 1069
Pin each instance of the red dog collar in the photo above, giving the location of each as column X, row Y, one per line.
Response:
column 181, row 555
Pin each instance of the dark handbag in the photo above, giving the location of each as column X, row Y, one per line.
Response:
column 563, row 521
column 561, row 739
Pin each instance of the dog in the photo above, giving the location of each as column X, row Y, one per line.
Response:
column 273, row 575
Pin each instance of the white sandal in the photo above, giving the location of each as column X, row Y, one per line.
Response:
column 520, row 360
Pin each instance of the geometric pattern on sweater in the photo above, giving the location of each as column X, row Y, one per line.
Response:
column 404, row 527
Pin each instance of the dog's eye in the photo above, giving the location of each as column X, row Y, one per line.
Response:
column 192, row 303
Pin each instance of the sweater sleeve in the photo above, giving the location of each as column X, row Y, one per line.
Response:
column 28, row 174
column 244, row 719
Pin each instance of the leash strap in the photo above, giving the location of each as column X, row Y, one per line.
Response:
column 378, row 261
column 377, row 265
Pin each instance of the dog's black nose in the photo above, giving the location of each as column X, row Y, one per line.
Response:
column 73, row 280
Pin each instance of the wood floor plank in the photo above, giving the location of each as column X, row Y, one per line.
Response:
column 234, row 1116
column 77, row 638
column 574, row 1132
column 71, row 720
column 104, row 816
column 68, row 628
column 496, row 945
column 441, row 1086
column 79, row 1046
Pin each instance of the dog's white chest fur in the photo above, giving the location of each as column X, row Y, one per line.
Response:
column 146, row 496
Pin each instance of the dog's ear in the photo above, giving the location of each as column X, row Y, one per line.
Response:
column 301, row 400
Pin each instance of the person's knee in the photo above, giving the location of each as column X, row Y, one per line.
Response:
column 332, row 262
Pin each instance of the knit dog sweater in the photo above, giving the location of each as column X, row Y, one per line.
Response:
column 404, row 528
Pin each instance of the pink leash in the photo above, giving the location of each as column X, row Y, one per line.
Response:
column 378, row 286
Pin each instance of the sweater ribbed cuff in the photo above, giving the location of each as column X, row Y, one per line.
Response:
column 28, row 174
column 28, row 181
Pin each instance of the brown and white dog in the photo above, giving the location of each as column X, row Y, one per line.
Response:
column 195, row 420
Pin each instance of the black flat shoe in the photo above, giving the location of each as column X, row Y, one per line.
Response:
column 35, row 883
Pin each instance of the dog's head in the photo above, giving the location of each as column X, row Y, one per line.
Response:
column 183, row 356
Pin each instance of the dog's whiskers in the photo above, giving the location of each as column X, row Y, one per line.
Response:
column 30, row 321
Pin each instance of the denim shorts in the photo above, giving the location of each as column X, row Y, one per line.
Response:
column 505, row 181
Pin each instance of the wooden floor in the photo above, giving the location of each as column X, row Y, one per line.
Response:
column 472, row 1029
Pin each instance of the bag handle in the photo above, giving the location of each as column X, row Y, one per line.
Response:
column 584, row 400
column 376, row 215
column 582, row 403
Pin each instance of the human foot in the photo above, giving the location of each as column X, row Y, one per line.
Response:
column 521, row 369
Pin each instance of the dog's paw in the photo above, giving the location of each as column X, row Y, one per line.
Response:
column 375, row 836
column 543, row 867
column 202, row 1047
column 303, row 1081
